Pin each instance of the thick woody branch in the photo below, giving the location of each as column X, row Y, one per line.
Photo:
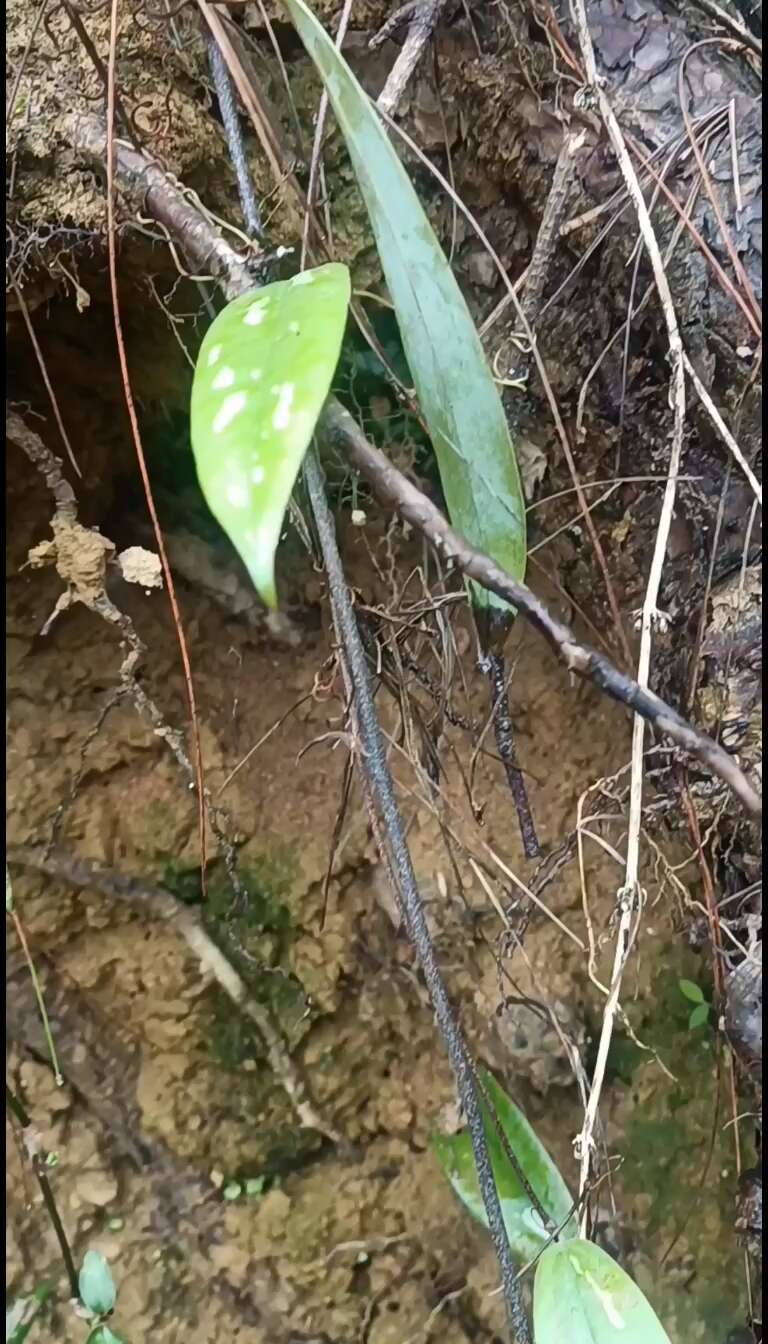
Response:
column 393, row 488
column 204, row 246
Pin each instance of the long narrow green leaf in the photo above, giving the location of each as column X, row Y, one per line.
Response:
column 526, row 1232
column 456, row 391
column 262, row 375
column 581, row 1295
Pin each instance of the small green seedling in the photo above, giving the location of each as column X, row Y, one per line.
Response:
column 261, row 379
column 97, row 1287
column 700, row 1013
column 252, row 1187
column 98, row 1295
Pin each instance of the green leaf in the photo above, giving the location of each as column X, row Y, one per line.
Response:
column 232, row 1190
column 524, row 1228
column 699, row 1015
column 456, row 391
column 691, row 991
column 103, row 1334
column 97, row 1287
column 581, row 1295
column 262, row 375
column 20, row 1316
column 255, row 1185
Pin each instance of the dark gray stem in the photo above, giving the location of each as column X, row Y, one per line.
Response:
column 502, row 725
column 374, row 762
column 229, row 115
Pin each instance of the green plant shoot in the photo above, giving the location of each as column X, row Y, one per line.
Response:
column 456, row 391
column 262, row 376
column 699, row 1014
column 97, row 1287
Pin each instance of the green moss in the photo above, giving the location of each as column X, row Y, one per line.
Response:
column 255, row 932
column 678, row 1157
column 158, row 829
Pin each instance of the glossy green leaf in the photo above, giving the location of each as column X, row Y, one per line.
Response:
column 97, row 1287
column 526, row 1233
column 262, row 375
column 581, row 1295
column 691, row 991
column 456, row 391
column 699, row 1015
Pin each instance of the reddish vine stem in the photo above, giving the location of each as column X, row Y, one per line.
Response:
column 134, row 423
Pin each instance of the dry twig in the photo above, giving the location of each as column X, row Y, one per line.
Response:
column 630, row 895
column 422, row 17
column 162, row 906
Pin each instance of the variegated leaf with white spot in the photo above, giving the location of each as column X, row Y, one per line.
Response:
column 262, row 376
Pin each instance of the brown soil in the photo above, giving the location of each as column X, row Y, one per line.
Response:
column 336, row 1248
column 169, row 1097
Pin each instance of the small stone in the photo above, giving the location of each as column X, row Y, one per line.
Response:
column 97, row 1186
column 482, row 269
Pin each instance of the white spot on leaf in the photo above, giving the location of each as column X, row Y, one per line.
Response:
column 231, row 406
column 224, row 378
column 305, row 278
column 258, row 540
column 282, row 416
column 256, row 313
column 256, row 374
column 213, row 355
column 294, row 328
column 257, row 475
column 237, row 495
